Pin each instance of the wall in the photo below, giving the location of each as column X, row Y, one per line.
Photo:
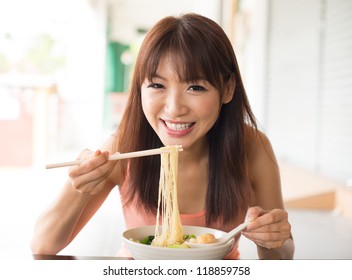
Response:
column 309, row 84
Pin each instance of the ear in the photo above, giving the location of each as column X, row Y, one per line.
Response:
column 229, row 90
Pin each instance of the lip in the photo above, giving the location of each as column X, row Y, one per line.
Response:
column 177, row 133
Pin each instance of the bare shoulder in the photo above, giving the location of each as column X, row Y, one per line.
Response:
column 263, row 171
column 259, row 147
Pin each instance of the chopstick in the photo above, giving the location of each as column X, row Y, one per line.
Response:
column 119, row 156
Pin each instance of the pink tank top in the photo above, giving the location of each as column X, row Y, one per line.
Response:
column 137, row 217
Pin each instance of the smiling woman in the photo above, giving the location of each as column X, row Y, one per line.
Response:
column 186, row 90
column 184, row 78
column 179, row 111
column 187, row 81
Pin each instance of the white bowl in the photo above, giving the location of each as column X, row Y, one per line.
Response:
column 146, row 252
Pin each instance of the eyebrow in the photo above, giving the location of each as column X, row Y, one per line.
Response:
column 156, row 75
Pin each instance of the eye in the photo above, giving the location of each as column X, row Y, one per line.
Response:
column 155, row 86
column 197, row 88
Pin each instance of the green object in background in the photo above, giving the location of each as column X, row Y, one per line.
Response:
column 115, row 69
column 115, row 80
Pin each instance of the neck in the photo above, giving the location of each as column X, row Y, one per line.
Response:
column 195, row 154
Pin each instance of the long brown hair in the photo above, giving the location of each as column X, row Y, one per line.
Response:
column 200, row 50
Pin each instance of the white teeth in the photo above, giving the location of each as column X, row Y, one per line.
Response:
column 178, row 126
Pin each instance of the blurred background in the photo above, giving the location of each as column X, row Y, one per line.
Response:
column 65, row 68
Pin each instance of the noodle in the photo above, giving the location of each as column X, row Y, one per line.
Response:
column 172, row 231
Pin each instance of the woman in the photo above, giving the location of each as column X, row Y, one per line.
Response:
column 186, row 90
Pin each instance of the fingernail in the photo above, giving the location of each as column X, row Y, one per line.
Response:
column 250, row 218
column 97, row 153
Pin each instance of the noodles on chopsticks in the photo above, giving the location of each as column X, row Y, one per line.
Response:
column 171, row 231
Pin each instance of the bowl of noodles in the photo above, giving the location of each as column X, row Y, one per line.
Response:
column 166, row 240
column 138, row 242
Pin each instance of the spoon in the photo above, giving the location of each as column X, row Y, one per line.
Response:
column 222, row 240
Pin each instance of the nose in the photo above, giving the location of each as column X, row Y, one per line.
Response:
column 175, row 104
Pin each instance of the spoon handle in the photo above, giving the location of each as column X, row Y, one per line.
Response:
column 234, row 232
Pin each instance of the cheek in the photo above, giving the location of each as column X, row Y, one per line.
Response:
column 149, row 107
column 144, row 104
column 209, row 109
column 146, row 107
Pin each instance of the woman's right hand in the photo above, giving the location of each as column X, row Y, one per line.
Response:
column 91, row 175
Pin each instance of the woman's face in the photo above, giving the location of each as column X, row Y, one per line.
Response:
column 179, row 112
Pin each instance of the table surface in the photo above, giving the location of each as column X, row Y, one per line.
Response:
column 67, row 257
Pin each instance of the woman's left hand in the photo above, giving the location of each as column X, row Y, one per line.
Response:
column 268, row 229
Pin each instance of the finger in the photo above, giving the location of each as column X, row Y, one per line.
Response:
column 99, row 184
column 85, row 154
column 266, row 236
column 263, row 237
column 272, row 227
column 272, row 217
column 93, row 162
column 87, row 181
column 98, row 159
column 260, row 240
column 253, row 213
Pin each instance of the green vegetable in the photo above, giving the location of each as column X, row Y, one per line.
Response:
column 188, row 236
column 148, row 240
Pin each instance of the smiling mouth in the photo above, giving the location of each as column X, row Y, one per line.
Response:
column 178, row 126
